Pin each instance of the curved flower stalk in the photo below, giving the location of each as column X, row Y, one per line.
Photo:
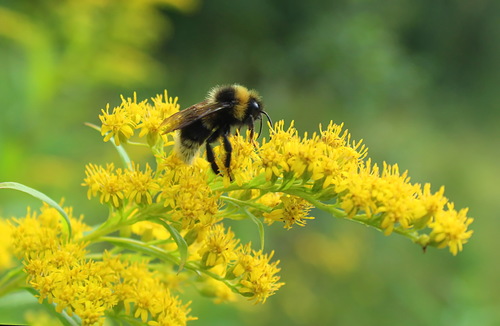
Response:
column 166, row 220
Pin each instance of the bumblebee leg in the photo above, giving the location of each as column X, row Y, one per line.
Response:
column 250, row 127
column 211, row 158
column 229, row 149
column 210, row 151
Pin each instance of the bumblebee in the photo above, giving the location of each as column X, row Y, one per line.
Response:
column 212, row 119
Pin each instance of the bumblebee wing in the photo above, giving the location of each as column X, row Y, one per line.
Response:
column 191, row 114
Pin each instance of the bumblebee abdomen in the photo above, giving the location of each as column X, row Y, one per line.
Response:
column 197, row 132
column 190, row 140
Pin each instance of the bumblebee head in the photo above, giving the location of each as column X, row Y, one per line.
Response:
column 254, row 110
column 246, row 105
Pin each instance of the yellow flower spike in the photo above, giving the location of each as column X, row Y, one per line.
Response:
column 356, row 190
column 394, row 196
column 176, row 211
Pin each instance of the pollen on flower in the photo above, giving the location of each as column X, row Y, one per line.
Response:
column 272, row 153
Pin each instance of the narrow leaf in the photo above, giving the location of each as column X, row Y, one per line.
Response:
column 42, row 197
column 140, row 246
column 260, row 226
column 179, row 240
column 63, row 317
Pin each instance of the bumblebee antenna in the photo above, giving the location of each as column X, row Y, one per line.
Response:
column 267, row 116
column 260, row 129
column 268, row 119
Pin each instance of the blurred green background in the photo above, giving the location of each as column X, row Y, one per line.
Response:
column 417, row 80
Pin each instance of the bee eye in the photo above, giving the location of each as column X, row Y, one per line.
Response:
column 254, row 105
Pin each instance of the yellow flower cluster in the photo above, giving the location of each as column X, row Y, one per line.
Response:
column 187, row 196
column 327, row 167
column 121, row 122
column 88, row 288
column 170, row 216
column 114, row 185
column 257, row 274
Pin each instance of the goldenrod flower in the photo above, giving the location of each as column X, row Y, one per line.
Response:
column 6, row 260
column 118, row 124
column 133, row 109
column 218, row 247
column 243, row 157
column 152, row 116
column 258, row 279
column 141, row 185
column 167, row 220
column 272, row 153
column 36, row 234
column 109, row 184
column 292, row 210
column 449, row 228
column 190, row 198
column 62, row 275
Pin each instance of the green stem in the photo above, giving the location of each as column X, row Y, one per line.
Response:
column 112, row 225
column 332, row 209
column 239, row 202
column 12, row 280
column 374, row 223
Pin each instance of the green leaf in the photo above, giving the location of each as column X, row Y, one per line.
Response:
column 63, row 317
column 179, row 240
column 42, row 197
column 260, row 226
